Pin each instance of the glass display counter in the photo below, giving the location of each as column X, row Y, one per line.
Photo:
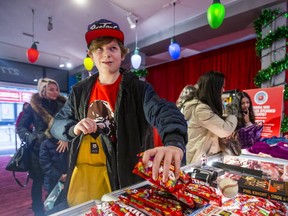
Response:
column 251, row 162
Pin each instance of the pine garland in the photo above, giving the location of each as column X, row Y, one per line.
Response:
column 286, row 92
column 278, row 34
column 274, row 69
column 140, row 72
column 264, row 20
column 284, row 124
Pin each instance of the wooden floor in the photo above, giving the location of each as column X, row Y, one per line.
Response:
column 14, row 200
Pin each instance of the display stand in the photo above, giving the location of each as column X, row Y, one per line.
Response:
column 82, row 209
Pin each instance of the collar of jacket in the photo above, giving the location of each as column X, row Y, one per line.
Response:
column 36, row 104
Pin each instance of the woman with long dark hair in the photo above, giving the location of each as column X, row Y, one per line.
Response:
column 206, row 124
column 248, row 129
column 245, row 115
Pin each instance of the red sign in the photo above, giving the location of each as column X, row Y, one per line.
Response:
column 267, row 105
column 14, row 96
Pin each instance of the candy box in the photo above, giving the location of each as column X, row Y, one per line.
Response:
column 266, row 188
column 211, row 210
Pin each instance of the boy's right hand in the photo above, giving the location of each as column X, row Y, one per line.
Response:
column 85, row 126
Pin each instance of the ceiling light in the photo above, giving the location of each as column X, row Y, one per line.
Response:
column 136, row 58
column 68, row 65
column 174, row 47
column 32, row 53
column 130, row 20
column 215, row 14
column 88, row 63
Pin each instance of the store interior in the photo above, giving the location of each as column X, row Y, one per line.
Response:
column 236, row 47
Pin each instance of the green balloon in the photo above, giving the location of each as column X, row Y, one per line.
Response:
column 215, row 15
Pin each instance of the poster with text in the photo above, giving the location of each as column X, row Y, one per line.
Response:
column 267, row 105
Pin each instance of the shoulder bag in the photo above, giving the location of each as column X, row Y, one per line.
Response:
column 20, row 163
column 230, row 145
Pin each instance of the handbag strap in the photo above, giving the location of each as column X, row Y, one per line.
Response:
column 19, row 183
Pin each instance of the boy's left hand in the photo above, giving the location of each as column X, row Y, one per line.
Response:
column 169, row 155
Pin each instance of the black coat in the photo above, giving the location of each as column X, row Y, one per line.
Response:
column 53, row 163
column 38, row 113
column 137, row 108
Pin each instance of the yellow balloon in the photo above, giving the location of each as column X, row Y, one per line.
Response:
column 88, row 63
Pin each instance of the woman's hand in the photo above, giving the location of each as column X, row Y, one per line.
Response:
column 246, row 116
column 85, row 126
column 169, row 155
column 62, row 146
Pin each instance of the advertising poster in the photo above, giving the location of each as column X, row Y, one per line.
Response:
column 267, row 105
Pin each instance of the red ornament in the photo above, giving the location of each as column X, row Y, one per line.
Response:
column 32, row 53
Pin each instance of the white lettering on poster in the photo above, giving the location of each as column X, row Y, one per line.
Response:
column 263, row 110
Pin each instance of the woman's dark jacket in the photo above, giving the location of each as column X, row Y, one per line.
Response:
column 39, row 113
column 53, row 163
column 137, row 108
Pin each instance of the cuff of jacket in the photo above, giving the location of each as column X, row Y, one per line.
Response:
column 175, row 140
column 71, row 133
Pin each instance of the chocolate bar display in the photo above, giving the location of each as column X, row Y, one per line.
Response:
column 191, row 195
column 269, row 189
column 272, row 168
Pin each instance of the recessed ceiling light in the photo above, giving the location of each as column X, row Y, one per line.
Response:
column 80, row 2
column 68, row 65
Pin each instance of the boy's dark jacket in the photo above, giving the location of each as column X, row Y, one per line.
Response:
column 137, row 107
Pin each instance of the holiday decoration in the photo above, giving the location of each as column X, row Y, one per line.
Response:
column 136, row 59
column 32, row 53
column 174, row 49
column 88, row 63
column 274, row 69
column 140, row 72
column 215, row 14
column 265, row 20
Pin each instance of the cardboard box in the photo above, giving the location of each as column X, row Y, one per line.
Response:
column 269, row 189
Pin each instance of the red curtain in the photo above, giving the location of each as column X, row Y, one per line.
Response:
column 238, row 62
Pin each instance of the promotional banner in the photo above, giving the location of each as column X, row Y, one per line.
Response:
column 268, row 107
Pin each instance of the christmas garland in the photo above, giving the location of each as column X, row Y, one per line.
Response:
column 140, row 72
column 265, row 19
column 274, row 69
column 284, row 124
column 278, row 34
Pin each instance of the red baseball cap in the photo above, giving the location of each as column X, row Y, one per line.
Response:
column 103, row 28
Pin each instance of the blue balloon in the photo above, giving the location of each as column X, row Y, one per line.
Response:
column 174, row 50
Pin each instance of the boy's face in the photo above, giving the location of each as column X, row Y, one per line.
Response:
column 107, row 58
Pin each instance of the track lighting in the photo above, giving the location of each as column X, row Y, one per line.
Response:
column 130, row 20
column 50, row 24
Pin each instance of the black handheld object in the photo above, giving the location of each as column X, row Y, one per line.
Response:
column 205, row 175
column 238, row 170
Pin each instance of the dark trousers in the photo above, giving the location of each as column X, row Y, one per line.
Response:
column 36, row 194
